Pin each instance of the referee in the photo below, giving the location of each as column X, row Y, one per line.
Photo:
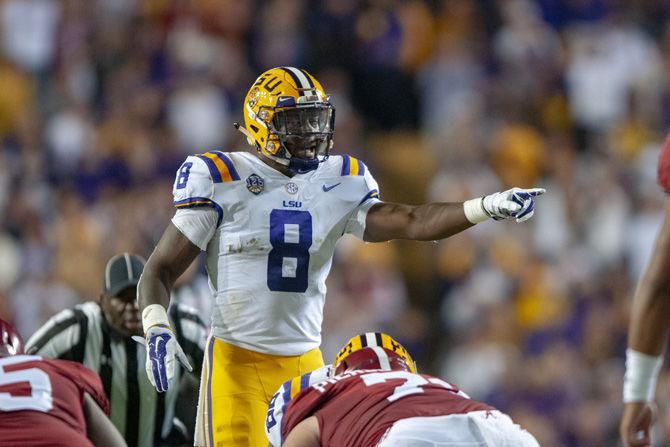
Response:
column 98, row 334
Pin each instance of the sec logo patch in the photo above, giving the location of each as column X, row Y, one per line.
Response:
column 291, row 188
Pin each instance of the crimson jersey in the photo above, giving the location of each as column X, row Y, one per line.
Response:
column 664, row 167
column 356, row 408
column 41, row 401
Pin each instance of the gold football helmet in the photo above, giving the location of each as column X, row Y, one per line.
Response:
column 289, row 118
column 372, row 339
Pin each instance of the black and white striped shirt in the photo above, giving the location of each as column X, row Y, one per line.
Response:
column 82, row 334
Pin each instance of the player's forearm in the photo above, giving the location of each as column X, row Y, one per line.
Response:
column 153, row 288
column 428, row 222
column 648, row 335
column 99, row 428
column 305, row 434
column 650, row 325
column 434, row 221
column 171, row 257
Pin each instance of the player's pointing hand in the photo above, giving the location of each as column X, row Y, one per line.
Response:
column 515, row 203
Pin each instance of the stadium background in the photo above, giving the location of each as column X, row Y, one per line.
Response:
column 100, row 101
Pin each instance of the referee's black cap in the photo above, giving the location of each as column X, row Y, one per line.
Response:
column 122, row 271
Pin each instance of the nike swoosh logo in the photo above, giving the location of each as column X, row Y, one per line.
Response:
column 328, row 188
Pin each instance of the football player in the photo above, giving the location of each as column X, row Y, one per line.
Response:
column 375, row 397
column 45, row 402
column 648, row 330
column 269, row 224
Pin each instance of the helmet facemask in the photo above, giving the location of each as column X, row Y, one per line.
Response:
column 304, row 133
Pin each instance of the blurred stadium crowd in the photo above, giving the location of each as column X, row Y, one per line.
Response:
column 100, row 101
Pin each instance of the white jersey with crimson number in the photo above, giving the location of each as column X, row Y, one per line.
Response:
column 270, row 242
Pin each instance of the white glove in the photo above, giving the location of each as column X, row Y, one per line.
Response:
column 163, row 350
column 516, row 202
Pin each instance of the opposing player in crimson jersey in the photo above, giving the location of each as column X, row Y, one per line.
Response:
column 52, row 403
column 649, row 328
column 374, row 399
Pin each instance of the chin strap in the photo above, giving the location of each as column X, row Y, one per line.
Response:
column 296, row 165
column 301, row 165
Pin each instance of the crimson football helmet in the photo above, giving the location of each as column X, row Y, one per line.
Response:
column 373, row 357
column 375, row 339
column 10, row 341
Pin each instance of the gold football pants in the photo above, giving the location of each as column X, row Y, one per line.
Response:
column 236, row 388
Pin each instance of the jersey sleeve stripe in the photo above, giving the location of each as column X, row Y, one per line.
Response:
column 213, row 170
column 286, row 396
column 200, row 202
column 304, row 381
column 353, row 163
column 295, row 386
column 345, row 165
column 222, row 168
column 361, row 168
column 374, row 194
column 227, row 167
column 352, row 166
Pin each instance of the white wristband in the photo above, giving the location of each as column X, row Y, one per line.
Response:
column 474, row 210
column 639, row 383
column 154, row 315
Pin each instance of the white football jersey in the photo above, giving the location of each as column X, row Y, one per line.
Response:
column 272, row 249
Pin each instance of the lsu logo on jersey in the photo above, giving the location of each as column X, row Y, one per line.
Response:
column 291, row 203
